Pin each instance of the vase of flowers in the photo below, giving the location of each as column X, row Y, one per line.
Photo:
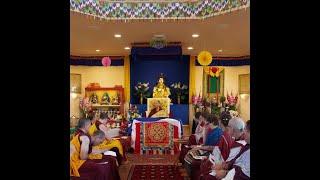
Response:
column 85, row 106
column 197, row 103
column 142, row 91
column 180, row 90
column 232, row 101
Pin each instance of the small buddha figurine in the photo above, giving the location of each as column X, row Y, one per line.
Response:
column 161, row 90
column 94, row 98
column 105, row 99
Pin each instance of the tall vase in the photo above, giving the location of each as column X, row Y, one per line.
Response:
column 141, row 99
column 179, row 99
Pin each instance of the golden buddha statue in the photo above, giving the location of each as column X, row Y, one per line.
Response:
column 161, row 90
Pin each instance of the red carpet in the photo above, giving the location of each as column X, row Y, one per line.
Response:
column 154, row 172
column 153, row 159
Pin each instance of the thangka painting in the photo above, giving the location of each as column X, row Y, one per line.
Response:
column 75, row 83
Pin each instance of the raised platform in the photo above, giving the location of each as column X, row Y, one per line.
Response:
column 179, row 111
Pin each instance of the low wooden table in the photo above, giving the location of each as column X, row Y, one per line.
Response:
column 177, row 144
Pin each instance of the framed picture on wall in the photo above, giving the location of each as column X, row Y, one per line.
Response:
column 244, row 84
column 75, row 83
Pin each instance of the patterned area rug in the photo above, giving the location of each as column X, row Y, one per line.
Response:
column 156, row 172
column 165, row 159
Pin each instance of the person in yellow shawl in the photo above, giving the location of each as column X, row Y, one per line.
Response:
column 109, row 143
column 89, row 163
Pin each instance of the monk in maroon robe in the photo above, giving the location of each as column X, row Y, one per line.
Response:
column 192, row 139
column 231, row 138
column 112, row 144
column 86, row 163
column 193, row 165
column 240, row 164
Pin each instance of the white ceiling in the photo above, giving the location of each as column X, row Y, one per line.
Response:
column 229, row 32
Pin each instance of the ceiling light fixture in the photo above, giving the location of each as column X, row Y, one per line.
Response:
column 98, row 50
column 158, row 41
column 190, row 48
column 220, row 50
column 195, row 35
column 127, row 48
column 117, row 35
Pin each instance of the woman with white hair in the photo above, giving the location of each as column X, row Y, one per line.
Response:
column 229, row 144
column 237, row 166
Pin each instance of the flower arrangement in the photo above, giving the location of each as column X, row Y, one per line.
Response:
column 111, row 123
column 123, row 127
column 180, row 90
column 133, row 112
column 141, row 90
column 232, row 101
column 85, row 106
column 212, row 103
column 197, row 102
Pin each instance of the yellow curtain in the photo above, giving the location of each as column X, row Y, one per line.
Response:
column 192, row 83
column 127, row 78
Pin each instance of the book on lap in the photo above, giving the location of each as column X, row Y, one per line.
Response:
column 110, row 153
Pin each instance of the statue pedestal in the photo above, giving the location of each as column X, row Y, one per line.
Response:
column 164, row 107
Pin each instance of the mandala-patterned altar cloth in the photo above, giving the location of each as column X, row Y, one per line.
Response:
column 157, row 134
column 155, row 138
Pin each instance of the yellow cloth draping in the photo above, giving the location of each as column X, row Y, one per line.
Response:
column 75, row 161
column 127, row 78
column 192, row 82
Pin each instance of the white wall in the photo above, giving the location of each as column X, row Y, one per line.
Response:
column 105, row 76
column 231, row 83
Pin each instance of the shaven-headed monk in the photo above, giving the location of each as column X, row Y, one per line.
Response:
column 233, row 130
column 236, row 168
column 108, row 143
column 88, row 163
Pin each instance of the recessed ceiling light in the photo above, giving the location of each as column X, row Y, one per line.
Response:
column 117, row 35
column 98, row 50
column 195, row 35
column 190, row 48
column 127, row 48
column 220, row 50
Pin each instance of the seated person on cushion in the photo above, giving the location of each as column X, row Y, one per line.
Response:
column 85, row 162
column 111, row 144
column 233, row 131
column 197, row 129
column 237, row 167
column 195, row 139
column 211, row 138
